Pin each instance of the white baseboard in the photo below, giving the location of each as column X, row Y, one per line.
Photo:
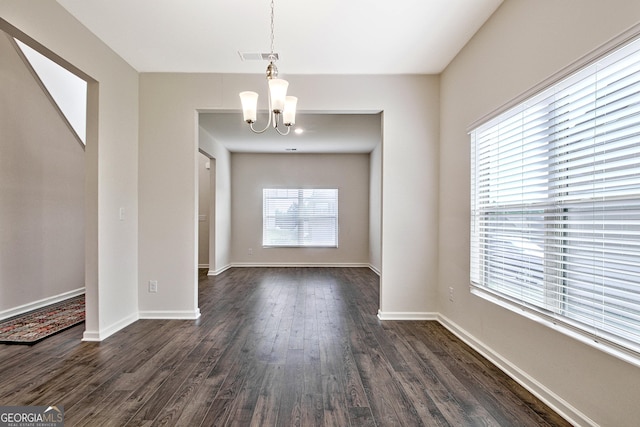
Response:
column 301, row 264
column 406, row 315
column 91, row 336
column 170, row 314
column 555, row 402
column 25, row 308
column 266, row 265
column 219, row 271
column 203, row 265
column 374, row 269
column 110, row 330
column 106, row 332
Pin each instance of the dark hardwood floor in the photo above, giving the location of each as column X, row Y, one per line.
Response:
column 274, row 346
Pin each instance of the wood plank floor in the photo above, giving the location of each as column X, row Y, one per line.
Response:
column 273, row 347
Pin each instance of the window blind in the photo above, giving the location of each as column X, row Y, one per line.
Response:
column 555, row 202
column 297, row 217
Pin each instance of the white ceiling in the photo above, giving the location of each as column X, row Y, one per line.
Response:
column 311, row 37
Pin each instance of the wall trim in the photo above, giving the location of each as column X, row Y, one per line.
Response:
column 374, row 269
column 559, row 405
column 93, row 336
column 170, row 314
column 25, row 308
column 406, row 315
column 203, row 265
column 219, row 271
column 268, row 264
column 301, row 264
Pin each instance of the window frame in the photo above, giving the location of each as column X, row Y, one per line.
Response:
column 618, row 348
column 302, row 217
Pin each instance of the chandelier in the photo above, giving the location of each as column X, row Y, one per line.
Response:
column 282, row 108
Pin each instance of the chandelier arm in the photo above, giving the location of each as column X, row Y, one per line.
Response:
column 283, row 133
column 259, row 131
column 270, row 115
column 277, row 127
column 265, row 128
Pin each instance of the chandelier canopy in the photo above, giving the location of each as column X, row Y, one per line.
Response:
column 282, row 108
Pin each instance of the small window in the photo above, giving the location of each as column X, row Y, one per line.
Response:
column 296, row 217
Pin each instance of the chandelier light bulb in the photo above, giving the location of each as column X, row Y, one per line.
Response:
column 249, row 102
column 278, row 90
column 289, row 115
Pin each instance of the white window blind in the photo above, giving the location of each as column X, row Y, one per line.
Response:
column 296, row 217
column 555, row 202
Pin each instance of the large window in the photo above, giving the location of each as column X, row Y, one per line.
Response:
column 296, row 217
column 555, row 203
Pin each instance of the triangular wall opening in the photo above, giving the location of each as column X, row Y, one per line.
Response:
column 67, row 90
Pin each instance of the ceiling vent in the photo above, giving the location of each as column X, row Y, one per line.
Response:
column 256, row 56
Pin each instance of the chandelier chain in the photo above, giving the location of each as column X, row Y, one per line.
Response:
column 272, row 26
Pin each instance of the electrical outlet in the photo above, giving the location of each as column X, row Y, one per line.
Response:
column 250, row 251
column 450, row 293
column 153, row 286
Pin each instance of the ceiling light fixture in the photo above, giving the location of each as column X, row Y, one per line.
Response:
column 279, row 103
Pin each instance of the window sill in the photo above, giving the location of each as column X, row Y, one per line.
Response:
column 619, row 352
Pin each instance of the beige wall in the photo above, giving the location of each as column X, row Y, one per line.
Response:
column 41, row 194
column 111, row 157
column 522, row 44
column 349, row 173
column 170, row 139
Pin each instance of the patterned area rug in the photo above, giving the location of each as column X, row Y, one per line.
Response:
column 34, row 326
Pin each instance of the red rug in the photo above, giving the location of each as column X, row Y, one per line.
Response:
column 36, row 325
